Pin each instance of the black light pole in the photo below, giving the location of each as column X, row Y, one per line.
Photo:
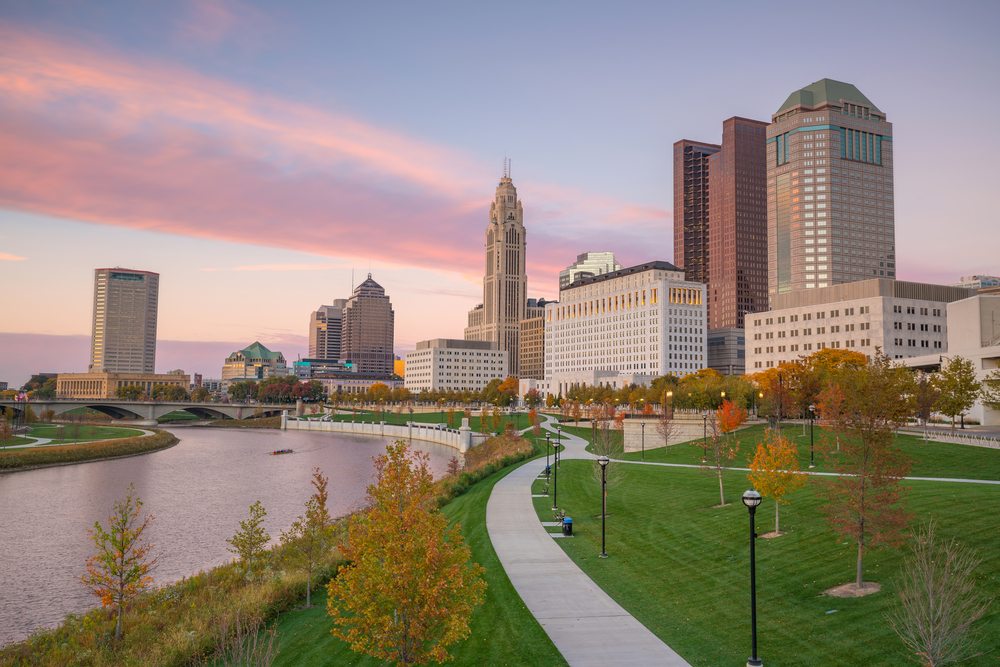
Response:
column 643, row 440
column 704, row 437
column 751, row 499
column 603, row 460
column 548, row 470
column 812, row 417
column 555, row 487
column 558, row 453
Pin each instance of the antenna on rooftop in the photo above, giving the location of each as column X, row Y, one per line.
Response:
column 505, row 166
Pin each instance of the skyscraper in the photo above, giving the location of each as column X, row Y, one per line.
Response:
column 691, row 207
column 325, row 330
column 588, row 265
column 368, row 329
column 498, row 318
column 830, row 190
column 124, row 325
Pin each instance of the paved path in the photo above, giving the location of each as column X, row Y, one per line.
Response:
column 585, row 624
column 44, row 441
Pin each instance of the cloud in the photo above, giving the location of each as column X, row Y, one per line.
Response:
column 281, row 267
column 11, row 258
column 115, row 139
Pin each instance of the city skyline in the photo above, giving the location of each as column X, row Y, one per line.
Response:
column 176, row 121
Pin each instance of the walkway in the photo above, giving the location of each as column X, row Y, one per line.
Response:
column 44, row 441
column 585, row 624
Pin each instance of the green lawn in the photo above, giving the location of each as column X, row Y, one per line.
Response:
column 64, row 435
column 177, row 416
column 680, row 565
column 503, row 631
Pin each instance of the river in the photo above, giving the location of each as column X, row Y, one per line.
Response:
column 198, row 491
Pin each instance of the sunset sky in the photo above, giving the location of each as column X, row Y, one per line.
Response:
column 257, row 155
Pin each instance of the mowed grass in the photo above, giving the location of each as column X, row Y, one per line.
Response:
column 680, row 565
column 72, row 433
column 503, row 631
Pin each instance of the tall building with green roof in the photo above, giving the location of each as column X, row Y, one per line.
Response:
column 830, row 216
column 254, row 362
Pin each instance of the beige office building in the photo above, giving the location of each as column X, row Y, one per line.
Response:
column 104, row 385
column 368, row 330
column 123, row 338
column 325, row 331
column 498, row 318
column 254, row 362
column 904, row 319
column 457, row 365
column 533, row 348
column 829, row 190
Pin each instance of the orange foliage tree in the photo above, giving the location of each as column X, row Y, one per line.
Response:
column 536, row 422
column 721, row 450
column 774, row 471
column 119, row 571
column 409, row 587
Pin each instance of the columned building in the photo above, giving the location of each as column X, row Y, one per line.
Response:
column 368, row 330
column 829, row 189
column 123, row 338
column 498, row 318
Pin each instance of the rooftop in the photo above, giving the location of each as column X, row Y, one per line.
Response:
column 826, row 90
column 648, row 266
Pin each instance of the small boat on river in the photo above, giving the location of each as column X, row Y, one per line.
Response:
column 281, row 451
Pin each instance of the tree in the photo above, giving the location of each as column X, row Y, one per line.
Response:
column 119, row 571
column 305, row 543
column 774, row 471
column 497, row 418
column 990, row 392
column 200, row 395
column 609, row 440
column 536, row 422
column 938, row 606
column 510, row 388
column 131, row 392
column 864, row 501
column 531, row 398
column 666, row 426
column 176, row 392
column 925, row 396
column 378, row 392
column 959, row 388
column 409, row 587
column 721, row 448
column 250, row 540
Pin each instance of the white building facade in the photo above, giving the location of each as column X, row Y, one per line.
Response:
column 458, row 365
column 903, row 319
column 639, row 323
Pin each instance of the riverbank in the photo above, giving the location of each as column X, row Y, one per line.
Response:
column 33, row 458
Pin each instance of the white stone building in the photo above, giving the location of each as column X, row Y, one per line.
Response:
column 973, row 334
column 629, row 325
column 903, row 319
column 444, row 363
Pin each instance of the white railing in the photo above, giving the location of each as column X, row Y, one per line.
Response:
column 461, row 439
column 973, row 440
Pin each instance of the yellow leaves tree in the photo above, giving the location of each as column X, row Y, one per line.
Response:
column 119, row 571
column 774, row 471
column 722, row 448
column 409, row 587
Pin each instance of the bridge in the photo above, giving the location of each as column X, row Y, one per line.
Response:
column 150, row 411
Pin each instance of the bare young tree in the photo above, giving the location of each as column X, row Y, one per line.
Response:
column 609, row 441
column 938, row 607
column 666, row 426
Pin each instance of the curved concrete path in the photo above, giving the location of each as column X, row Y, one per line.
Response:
column 586, row 625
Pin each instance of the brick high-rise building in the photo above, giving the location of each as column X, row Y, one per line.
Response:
column 123, row 338
column 325, row 329
column 691, row 207
column 829, row 189
column 498, row 317
column 368, row 329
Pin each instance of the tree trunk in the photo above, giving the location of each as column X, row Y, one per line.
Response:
column 860, row 570
column 722, row 496
column 953, row 425
column 118, row 627
column 776, row 505
column 308, row 589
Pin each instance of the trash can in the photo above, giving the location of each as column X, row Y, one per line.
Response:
column 567, row 527
column 548, row 471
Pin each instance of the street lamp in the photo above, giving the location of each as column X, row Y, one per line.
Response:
column 812, row 416
column 548, row 470
column 643, row 424
column 603, row 460
column 751, row 499
column 756, row 408
column 670, row 397
column 558, row 453
column 555, row 485
column 704, row 438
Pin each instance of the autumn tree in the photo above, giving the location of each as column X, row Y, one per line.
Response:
column 938, row 607
column 925, row 396
column 409, row 587
column 536, row 422
column 508, row 389
column 130, row 393
column 576, row 412
column 497, row 418
column 721, row 448
column 666, row 427
column 306, row 543
column 864, row 501
column 251, row 539
column 959, row 388
column 774, row 471
column 990, row 391
column 531, row 398
column 200, row 395
column 119, row 571
column 451, row 417
column 319, row 482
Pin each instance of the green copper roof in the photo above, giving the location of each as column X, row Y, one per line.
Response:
column 826, row 90
column 258, row 351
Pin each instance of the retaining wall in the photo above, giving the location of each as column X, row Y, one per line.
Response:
column 461, row 438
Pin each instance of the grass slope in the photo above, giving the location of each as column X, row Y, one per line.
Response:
column 503, row 631
column 680, row 565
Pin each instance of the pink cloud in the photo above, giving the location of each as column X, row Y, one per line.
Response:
column 10, row 258
column 112, row 139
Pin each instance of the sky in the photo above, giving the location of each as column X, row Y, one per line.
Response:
column 264, row 157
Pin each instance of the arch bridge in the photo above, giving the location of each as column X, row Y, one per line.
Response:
column 149, row 411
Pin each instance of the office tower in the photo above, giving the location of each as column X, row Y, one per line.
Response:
column 254, row 362
column 367, row 329
column 498, row 318
column 588, row 265
column 830, row 190
column 691, row 207
column 124, row 326
column 324, row 331
column 458, row 365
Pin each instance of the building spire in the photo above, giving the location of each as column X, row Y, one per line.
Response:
column 505, row 166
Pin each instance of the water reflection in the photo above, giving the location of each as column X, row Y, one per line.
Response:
column 198, row 491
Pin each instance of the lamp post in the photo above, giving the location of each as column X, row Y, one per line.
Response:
column 751, row 499
column 558, row 453
column 548, row 470
column 643, row 424
column 603, row 460
column 812, row 417
column 756, row 408
column 670, row 397
column 723, row 397
column 704, row 437
column 555, row 485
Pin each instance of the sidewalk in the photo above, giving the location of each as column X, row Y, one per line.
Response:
column 585, row 624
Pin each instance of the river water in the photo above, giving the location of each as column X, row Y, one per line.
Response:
column 198, row 491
